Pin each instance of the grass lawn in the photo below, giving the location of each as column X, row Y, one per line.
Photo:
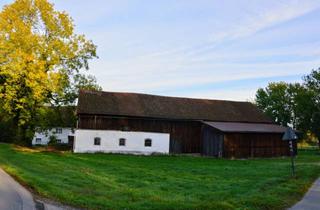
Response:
column 106, row 181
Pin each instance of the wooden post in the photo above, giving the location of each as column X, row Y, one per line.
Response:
column 292, row 158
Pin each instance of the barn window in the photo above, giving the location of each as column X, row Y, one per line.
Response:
column 38, row 140
column 147, row 142
column 122, row 142
column 97, row 141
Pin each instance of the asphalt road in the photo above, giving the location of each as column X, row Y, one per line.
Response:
column 13, row 196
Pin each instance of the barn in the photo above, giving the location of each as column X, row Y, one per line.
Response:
column 145, row 124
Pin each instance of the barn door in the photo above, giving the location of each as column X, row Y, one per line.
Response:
column 212, row 143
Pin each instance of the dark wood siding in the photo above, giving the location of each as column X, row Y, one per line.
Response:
column 185, row 136
column 212, row 142
column 194, row 137
column 243, row 145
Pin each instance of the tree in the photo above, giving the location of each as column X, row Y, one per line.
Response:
column 39, row 56
column 71, row 92
column 294, row 104
column 302, row 108
column 312, row 82
column 287, row 104
column 274, row 102
column 6, row 127
column 50, row 117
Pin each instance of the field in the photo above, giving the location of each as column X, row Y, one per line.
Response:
column 105, row 181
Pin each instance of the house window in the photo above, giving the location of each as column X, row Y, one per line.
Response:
column 97, row 141
column 122, row 142
column 58, row 130
column 147, row 142
column 59, row 141
column 38, row 140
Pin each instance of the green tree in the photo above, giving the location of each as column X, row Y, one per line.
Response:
column 39, row 56
column 312, row 82
column 71, row 92
column 274, row 101
column 293, row 104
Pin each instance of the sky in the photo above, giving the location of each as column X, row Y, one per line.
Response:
column 198, row 48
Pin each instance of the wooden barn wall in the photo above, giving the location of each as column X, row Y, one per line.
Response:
column 185, row 136
column 212, row 141
column 255, row 145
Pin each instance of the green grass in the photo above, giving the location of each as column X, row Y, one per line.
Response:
column 106, row 181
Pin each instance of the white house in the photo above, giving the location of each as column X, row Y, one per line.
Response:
column 113, row 141
column 42, row 137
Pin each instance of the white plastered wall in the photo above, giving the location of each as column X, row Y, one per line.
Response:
column 84, row 142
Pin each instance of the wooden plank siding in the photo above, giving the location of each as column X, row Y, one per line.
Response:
column 185, row 136
column 194, row 136
column 244, row 145
column 212, row 141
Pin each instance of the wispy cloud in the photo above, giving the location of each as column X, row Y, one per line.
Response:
column 251, row 23
column 167, row 46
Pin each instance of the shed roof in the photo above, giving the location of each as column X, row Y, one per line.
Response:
column 232, row 127
column 152, row 106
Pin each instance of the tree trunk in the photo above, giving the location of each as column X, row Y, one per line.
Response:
column 21, row 131
column 16, row 138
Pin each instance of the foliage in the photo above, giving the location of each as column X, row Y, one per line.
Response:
column 52, row 140
column 41, row 58
column 7, row 132
column 309, row 141
column 274, row 102
column 312, row 81
column 108, row 181
column 293, row 104
column 80, row 81
column 56, row 116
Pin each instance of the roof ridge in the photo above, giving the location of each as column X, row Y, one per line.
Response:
column 163, row 96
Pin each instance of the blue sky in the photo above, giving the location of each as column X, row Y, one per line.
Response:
column 196, row 48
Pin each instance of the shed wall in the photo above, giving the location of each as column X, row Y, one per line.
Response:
column 244, row 145
column 212, row 141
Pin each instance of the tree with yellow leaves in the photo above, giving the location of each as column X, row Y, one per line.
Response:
column 39, row 57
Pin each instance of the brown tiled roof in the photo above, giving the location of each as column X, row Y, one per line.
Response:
column 152, row 106
column 234, row 127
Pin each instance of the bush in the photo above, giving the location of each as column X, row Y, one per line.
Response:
column 309, row 140
column 52, row 140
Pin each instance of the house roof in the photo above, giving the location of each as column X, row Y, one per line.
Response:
column 234, row 127
column 152, row 106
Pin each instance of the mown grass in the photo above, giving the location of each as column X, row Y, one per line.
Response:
column 109, row 181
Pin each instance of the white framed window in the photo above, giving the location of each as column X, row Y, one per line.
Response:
column 58, row 130
column 122, row 142
column 59, row 141
column 97, row 141
column 148, row 142
column 38, row 140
